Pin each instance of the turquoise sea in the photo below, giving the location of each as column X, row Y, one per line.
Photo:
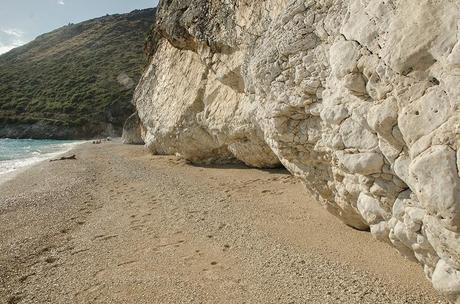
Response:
column 20, row 153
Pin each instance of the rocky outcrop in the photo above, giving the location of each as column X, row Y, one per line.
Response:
column 132, row 131
column 359, row 98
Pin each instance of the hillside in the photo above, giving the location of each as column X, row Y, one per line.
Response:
column 76, row 81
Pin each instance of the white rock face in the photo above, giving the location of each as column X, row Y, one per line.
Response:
column 133, row 131
column 359, row 98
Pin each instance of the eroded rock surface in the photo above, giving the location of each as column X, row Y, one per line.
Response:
column 359, row 98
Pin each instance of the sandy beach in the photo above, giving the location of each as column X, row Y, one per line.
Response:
column 119, row 225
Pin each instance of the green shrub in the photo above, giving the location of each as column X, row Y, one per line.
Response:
column 69, row 76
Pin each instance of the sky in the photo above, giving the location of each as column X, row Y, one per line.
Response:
column 23, row 20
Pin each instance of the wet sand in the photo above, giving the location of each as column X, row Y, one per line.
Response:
column 119, row 225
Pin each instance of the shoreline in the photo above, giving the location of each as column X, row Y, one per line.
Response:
column 6, row 176
column 120, row 225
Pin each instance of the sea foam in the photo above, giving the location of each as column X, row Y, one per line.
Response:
column 18, row 154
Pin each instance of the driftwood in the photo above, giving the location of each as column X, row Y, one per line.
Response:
column 73, row 157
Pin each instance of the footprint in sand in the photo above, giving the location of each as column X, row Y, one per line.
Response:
column 45, row 249
column 65, row 248
column 100, row 272
column 104, row 237
column 26, row 276
column 134, row 221
column 94, row 291
column 14, row 299
column 127, row 263
column 79, row 251
column 163, row 247
column 139, row 227
column 51, row 259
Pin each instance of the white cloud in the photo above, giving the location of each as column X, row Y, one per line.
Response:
column 61, row 2
column 6, row 48
column 10, row 38
column 13, row 32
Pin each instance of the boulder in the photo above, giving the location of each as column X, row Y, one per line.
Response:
column 132, row 131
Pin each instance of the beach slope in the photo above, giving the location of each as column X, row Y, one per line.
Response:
column 118, row 225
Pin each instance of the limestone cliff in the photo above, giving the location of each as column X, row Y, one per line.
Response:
column 359, row 98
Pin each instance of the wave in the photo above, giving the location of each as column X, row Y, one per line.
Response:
column 17, row 155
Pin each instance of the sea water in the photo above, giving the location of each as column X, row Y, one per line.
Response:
column 16, row 154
